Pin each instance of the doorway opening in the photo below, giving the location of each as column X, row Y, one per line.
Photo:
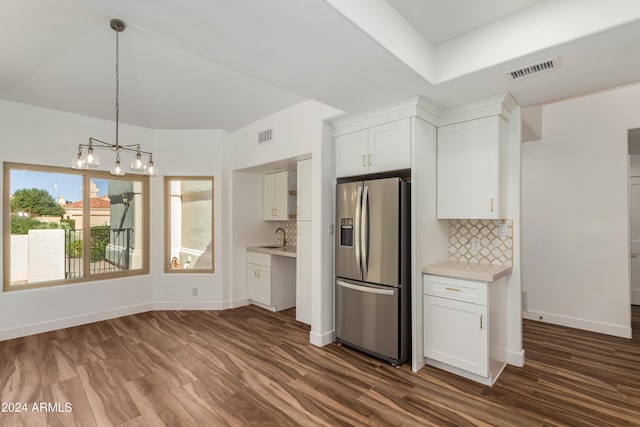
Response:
column 634, row 214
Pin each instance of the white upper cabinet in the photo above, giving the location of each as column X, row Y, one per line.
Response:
column 472, row 160
column 276, row 197
column 303, row 211
column 390, row 146
column 381, row 148
column 351, row 154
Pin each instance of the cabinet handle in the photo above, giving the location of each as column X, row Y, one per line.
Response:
column 453, row 289
column 258, row 271
column 491, row 205
column 481, row 323
column 364, row 160
column 370, row 159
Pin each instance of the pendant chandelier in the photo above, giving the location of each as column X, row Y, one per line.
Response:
column 87, row 157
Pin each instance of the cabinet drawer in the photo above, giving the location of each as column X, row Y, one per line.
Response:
column 260, row 259
column 455, row 289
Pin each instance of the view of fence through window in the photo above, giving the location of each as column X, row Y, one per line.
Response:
column 49, row 218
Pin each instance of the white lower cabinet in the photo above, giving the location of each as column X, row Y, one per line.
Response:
column 464, row 326
column 259, row 283
column 271, row 281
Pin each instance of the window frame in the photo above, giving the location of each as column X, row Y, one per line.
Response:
column 87, row 175
column 167, row 225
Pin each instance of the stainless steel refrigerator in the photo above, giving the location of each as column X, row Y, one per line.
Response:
column 373, row 273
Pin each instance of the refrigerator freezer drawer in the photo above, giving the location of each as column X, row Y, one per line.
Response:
column 367, row 318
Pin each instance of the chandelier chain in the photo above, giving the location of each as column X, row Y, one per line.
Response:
column 117, row 71
column 117, row 85
column 80, row 161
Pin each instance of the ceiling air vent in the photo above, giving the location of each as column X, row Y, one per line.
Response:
column 537, row 68
column 265, row 136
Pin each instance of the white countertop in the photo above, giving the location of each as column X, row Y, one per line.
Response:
column 289, row 251
column 468, row 271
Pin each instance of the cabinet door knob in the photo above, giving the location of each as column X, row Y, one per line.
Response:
column 453, row 289
column 491, row 205
column 481, row 322
column 370, row 159
column 364, row 160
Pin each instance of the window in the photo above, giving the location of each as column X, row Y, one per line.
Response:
column 66, row 226
column 189, row 224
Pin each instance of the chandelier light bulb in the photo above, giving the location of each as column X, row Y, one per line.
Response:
column 78, row 161
column 137, row 163
column 151, row 169
column 117, row 168
column 92, row 158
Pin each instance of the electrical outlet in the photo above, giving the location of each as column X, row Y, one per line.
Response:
column 194, row 292
column 475, row 244
column 503, row 230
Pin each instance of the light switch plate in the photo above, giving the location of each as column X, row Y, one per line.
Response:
column 475, row 244
column 503, row 230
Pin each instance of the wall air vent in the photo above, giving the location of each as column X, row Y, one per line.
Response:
column 265, row 136
column 537, row 68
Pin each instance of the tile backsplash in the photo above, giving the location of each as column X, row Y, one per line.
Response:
column 493, row 248
column 291, row 228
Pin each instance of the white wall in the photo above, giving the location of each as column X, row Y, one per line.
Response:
column 297, row 132
column 575, row 213
column 515, row 352
column 430, row 236
column 47, row 137
column 187, row 153
column 248, row 229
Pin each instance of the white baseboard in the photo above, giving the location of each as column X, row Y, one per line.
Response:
column 188, row 305
column 574, row 322
column 199, row 305
column 515, row 358
column 68, row 322
column 417, row 363
column 235, row 303
column 304, row 319
column 320, row 340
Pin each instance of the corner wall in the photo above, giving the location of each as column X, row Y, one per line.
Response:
column 297, row 132
column 575, row 213
column 187, row 153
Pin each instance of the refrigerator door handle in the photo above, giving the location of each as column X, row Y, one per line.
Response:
column 364, row 232
column 366, row 289
column 356, row 231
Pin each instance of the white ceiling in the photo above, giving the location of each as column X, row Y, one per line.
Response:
column 439, row 21
column 226, row 63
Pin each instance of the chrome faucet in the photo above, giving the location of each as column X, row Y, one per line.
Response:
column 284, row 235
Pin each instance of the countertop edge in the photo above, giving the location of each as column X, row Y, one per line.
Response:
column 273, row 251
column 466, row 271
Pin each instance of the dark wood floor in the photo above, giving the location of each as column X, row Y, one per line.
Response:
column 248, row 366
